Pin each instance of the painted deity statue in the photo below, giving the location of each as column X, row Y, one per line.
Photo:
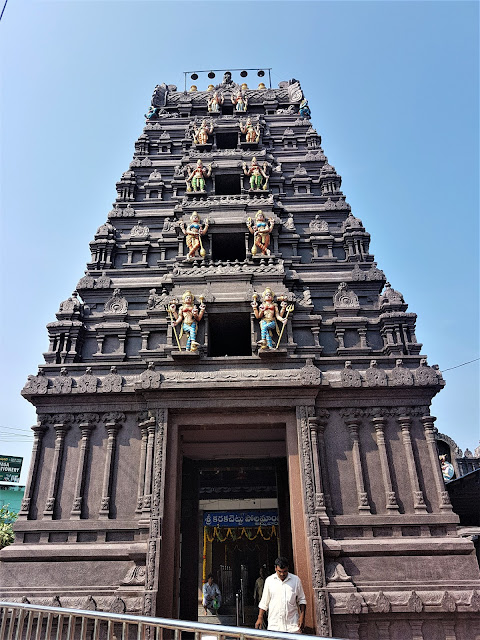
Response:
column 200, row 134
column 304, row 109
column 250, row 131
column 240, row 102
column 214, row 102
column 257, row 175
column 152, row 112
column 268, row 314
column 196, row 179
column 188, row 316
column 193, row 235
column 448, row 470
column 261, row 230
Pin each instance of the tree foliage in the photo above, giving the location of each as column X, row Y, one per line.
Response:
column 7, row 518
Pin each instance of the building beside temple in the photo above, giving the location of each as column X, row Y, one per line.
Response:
column 232, row 378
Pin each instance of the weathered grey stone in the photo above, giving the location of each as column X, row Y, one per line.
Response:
column 343, row 401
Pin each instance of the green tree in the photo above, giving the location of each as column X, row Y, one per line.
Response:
column 7, row 518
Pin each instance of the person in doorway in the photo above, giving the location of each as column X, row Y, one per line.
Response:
column 284, row 599
column 258, row 589
column 211, row 596
column 258, row 592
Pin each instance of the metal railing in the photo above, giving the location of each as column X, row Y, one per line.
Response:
column 19, row 621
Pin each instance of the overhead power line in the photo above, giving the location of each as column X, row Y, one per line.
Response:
column 1, row 14
column 16, row 429
column 460, row 365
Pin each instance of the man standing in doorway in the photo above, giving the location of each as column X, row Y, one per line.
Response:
column 284, row 599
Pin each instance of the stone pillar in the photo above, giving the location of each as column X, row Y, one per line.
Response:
column 147, row 495
column 305, row 421
column 352, row 420
column 87, row 424
column 449, row 629
column 317, row 429
column 112, row 424
column 362, row 332
column 155, row 535
column 141, row 472
column 379, row 423
column 38, row 430
column 353, row 630
column 318, row 488
column 339, row 335
column 382, row 627
column 416, row 628
column 61, row 427
column 405, row 423
column 443, row 497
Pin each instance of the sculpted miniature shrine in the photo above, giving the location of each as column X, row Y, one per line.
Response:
column 233, row 378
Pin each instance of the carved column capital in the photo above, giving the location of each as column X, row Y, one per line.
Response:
column 146, row 419
column 353, row 426
column 379, row 422
column 39, row 430
column 405, row 422
column 429, row 426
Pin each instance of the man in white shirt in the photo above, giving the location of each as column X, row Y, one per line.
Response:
column 284, row 599
column 211, row 596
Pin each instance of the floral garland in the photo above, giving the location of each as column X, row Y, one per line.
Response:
column 222, row 533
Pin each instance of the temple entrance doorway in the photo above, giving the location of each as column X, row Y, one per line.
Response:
column 235, row 520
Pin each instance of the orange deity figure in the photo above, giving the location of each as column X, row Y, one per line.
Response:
column 196, row 178
column 188, row 316
column 200, row 134
column 214, row 102
column 258, row 175
column 261, row 230
column 249, row 130
column 268, row 314
column 240, row 102
column 193, row 235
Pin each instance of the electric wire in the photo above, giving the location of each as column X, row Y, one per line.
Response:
column 460, row 365
column 1, row 14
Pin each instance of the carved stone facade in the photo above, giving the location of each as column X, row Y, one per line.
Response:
column 344, row 398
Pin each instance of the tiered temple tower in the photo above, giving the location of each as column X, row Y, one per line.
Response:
column 230, row 223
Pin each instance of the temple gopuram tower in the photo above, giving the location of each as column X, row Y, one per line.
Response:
column 234, row 378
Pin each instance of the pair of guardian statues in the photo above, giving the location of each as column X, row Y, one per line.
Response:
column 202, row 133
column 197, row 175
column 188, row 315
column 261, row 228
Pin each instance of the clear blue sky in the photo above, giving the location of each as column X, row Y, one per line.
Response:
column 393, row 88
